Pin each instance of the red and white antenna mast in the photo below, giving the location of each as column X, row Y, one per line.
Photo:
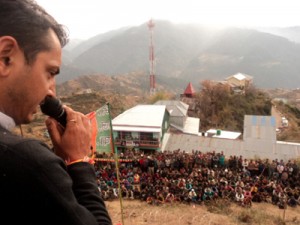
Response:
column 151, row 57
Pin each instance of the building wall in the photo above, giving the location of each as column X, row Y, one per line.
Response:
column 287, row 150
column 177, row 121
column 260, row 128
column 259, row 140
column 236, row 82
column 248, row 149
column 165, row 125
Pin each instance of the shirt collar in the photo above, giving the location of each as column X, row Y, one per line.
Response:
column 6, row 121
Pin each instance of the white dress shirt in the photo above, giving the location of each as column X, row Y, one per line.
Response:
column 6, row 121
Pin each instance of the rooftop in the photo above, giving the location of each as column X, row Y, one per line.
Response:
column 175, row 108
column 240, row 76
column 223, row 134
column 147, row 118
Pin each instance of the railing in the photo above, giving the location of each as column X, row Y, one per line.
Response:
column 149, row 143
column 137, row 143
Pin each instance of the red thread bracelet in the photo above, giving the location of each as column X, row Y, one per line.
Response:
column 85, row 159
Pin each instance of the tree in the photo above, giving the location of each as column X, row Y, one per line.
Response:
column 212, row 98
column 219, row 107
column 160, row 96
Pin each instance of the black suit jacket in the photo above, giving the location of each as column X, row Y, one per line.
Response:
column 36, row 187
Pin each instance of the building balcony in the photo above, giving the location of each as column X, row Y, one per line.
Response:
column 136, row 143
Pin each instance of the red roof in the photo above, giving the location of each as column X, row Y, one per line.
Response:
column 189, row 90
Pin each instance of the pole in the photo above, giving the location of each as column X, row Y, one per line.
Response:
column 116, row 163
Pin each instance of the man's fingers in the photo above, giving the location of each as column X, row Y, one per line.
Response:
column 53, row 130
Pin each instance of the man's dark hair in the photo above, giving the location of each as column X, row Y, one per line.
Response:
column 29, row 24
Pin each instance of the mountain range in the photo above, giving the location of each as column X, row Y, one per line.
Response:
column 188, row 53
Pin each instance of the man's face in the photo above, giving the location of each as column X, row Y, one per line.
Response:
column 32, row 83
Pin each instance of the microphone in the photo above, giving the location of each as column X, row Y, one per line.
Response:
column 53, row 108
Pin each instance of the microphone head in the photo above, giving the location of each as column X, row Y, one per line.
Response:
column 53, row 108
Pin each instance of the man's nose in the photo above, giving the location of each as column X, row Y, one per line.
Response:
column 52, row 88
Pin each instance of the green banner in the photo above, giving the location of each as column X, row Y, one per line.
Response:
column 103, row 141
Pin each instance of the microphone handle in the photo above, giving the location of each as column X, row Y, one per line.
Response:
column 62, row 119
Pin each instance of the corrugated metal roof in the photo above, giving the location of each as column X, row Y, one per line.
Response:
column 143, row 117
column 175, row 108
column 241, row 76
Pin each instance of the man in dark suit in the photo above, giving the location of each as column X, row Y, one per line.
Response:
column 38, row 186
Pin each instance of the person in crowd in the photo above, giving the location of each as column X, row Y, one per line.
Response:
column 136, row 181
column 42, row 185
column 280, row 169
column 282, row 200
column 160, row 197
column 247, row 197
column 245, row 164
column 273, row 170
column 150, row 200
column 169, row 197
column 252, row 167
column 192, row 196
column 239, row 195
column 222, row 160
column 151, row 164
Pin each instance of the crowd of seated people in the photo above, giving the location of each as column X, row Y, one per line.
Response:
column 198, row 177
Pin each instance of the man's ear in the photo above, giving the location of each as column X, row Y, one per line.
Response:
column 8, row 46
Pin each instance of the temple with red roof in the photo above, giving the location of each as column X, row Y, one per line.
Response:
column 189, row 91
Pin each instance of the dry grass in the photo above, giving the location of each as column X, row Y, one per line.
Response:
column 140, row 213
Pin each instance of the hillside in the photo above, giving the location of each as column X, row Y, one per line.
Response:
column 190, row 53
column 291, row 33
column 132, row 84
column 286, row 95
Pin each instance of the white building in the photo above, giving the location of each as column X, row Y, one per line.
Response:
column 179, row 118
column 141, row 127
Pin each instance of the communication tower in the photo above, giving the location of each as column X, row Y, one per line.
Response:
column 151, row 57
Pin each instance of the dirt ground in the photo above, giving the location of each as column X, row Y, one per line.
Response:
column 139, row 213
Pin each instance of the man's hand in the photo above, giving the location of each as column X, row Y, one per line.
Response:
column 74, row 141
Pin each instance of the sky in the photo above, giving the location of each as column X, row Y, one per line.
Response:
column 87, row 18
